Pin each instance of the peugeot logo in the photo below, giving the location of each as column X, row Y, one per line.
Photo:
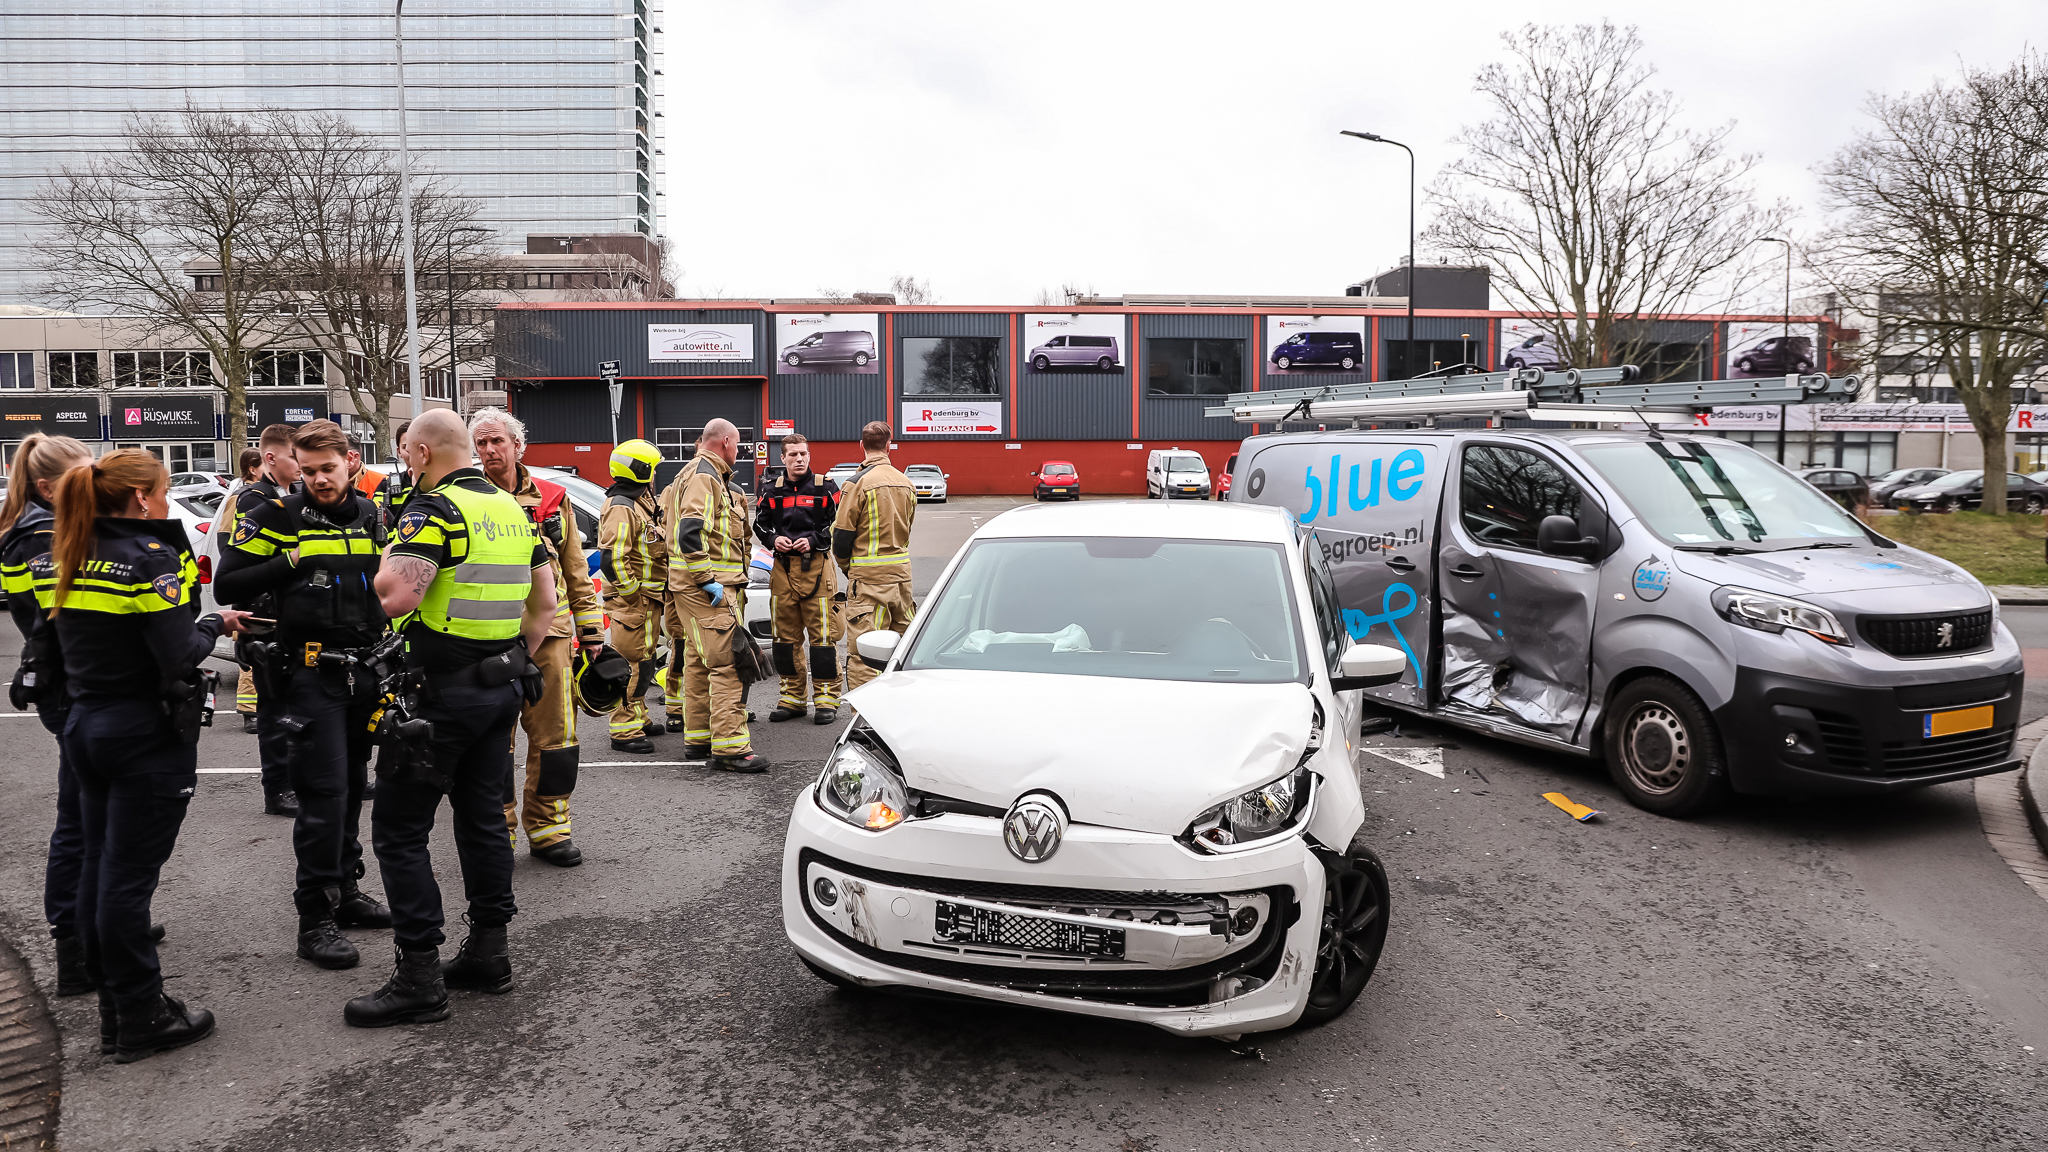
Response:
column 1945, row 635
column 1034, row 826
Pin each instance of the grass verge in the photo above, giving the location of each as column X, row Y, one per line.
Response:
column 1995, row 549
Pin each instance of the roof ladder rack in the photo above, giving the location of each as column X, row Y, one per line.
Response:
column 1596, row 395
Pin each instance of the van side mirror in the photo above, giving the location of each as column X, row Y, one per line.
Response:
column 1361, row 666
column 1559, row 536
column 875, row 648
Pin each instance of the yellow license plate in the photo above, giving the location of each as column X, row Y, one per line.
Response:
column 1961, row 720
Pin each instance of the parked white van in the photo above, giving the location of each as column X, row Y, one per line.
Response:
column 1176, row 474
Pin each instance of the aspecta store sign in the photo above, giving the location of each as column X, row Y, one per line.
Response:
column 952, row 418
column 700, row 343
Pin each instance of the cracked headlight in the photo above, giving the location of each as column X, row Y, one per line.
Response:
column 1256, row 816
column 1767, row 613
column 860, row 789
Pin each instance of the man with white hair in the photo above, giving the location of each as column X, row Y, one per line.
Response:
column 551, row 752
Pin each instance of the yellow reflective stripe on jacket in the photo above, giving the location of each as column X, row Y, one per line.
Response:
column 15, row 579
column 92, row 594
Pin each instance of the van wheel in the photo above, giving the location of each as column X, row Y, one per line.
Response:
column 1283, row 363
column 1104, row 364
column 794, row 359
column 1663, row 749
column 1040, row 363
column 1354, row 932
column 1347, row 363
column 860, row 359
column 1745, row 365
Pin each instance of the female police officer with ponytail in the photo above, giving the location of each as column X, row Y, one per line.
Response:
column 121, row 628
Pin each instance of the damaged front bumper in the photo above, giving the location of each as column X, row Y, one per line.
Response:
column 1123, row 925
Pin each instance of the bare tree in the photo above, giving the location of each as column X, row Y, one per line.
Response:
column 911, row 290
column 336, row 242
column 1589, row 201
column 1940, row 217
column 1068, row 292
column 196, row 186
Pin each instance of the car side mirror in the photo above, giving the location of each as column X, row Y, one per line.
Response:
column 1361, row 666
column 875, row 648
column 1559, row 536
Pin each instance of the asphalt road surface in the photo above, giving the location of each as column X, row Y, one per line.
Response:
column 1791, row 976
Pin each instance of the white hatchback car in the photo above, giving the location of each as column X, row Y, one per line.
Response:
column 1109, row 770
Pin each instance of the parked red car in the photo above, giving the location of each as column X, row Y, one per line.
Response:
column 1222, row 486
column 1056, row 478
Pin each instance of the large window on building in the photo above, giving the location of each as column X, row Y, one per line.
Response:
column 1430, row 355
column 952, row 365
column 74, row 369
column 162, row 370
column 17, row 370
column 287, row 370
column 1176, row 366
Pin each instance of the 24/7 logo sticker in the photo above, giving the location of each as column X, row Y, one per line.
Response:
column 1652, row 579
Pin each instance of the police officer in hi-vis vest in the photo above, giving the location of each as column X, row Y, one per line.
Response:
column 467, row 573
column 315, row 554
column 122, row 635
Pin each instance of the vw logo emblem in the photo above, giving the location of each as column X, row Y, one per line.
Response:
column 1034, row 826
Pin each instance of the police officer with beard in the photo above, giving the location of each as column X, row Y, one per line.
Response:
column 315, row 553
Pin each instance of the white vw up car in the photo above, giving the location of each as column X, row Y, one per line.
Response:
column 1109, row 770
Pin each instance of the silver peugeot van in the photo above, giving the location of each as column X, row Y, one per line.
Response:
column 1679, row 606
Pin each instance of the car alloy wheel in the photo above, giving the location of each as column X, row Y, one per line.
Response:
column 1354, row 931
column 794, row 359
column 2033, row 504
column 860, row 359
column 1040, row 363
column 1347, row 363
column 1283, row 363
column 1104, row 364
column 1947, row 504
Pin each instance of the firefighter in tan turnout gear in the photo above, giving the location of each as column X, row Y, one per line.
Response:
column 709, row 548
column 551, row 752
column 635, row 551
column 794, row 519
column 871, row 541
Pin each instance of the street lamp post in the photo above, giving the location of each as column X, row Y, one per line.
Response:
column 454, row 360
column 1376, row 139
column 412, row 313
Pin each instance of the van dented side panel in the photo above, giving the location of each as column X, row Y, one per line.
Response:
column 1370, row 504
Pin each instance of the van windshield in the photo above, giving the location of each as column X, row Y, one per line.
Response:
column 1147, row 609
column 1185, row 464
column 1695, row 493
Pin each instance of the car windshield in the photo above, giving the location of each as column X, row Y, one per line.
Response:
column 1184, row 464
column 1957, row 480
column 1895, row 475
column 1691, row 492
column 1059, row 469
column 931, row 468
column 205, row 505
column 1146, row 609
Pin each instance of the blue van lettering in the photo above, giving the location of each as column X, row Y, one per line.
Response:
column 1407, row 466
column 1372, row 492
column 1315, row 495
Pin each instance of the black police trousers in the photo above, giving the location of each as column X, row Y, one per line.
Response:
column 135, row 779
column 473, row 745
column 327, row 754
column 271, row 752
column 67, row 839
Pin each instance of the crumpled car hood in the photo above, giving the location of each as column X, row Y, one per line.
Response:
column 1144, row 755
column 1825, row 570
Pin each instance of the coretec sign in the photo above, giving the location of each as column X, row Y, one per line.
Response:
column 700, row 343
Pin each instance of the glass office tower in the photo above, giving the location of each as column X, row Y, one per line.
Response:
column 547, row 112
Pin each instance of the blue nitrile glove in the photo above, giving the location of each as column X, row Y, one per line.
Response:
column 716, row 591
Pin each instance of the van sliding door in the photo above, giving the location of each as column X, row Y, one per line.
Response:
column 1371, row 504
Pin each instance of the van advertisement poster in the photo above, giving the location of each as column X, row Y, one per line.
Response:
column 827, row 343
column 1316, row 346
column 951, row 418
column 700, row 343
column 1074, row 342
column 1761, row 348
column 1526, row 344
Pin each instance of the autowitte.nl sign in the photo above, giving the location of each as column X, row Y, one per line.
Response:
column 700, row 343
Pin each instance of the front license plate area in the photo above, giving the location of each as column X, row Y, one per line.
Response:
column 1960, row 720
column 965, row 924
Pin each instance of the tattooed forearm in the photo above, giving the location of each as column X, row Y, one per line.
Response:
column 403, row 582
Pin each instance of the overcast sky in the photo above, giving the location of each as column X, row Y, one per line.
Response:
column 999, row 149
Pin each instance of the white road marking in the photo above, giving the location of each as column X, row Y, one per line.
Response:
column 248, row 771
column 646, row 763
column 1429, row 760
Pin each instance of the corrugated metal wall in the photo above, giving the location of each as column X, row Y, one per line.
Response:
column 830, row 407
column 568, row 410
column 917, row 324
column 1434, row 327
column 1180, row 417
column 554, row 342
column 1075, row 405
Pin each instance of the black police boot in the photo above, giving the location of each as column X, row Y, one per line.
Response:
column 72, row 978
column 359, row 910
column 696, row 751
column 320, row 938
column 785, row 712
column 413, row 995
column 481, row 962
column 110, row 1023
column 561, row 853
column 160, row 1027
column 283, row 802
column 825, row 716
column 248, row 723
column 749, row 763
column 677, row 724
column 638, row 745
